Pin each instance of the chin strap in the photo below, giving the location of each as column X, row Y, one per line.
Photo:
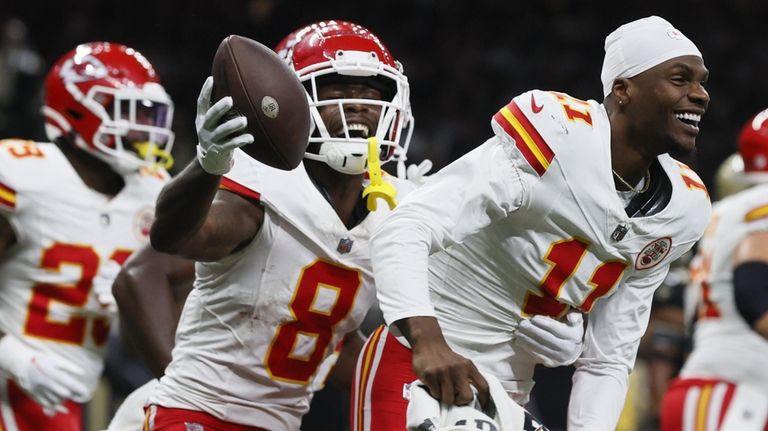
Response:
column 378, row 188
column 164, row 158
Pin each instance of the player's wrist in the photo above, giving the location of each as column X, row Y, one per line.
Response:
column 214, row 162
column 421, row 331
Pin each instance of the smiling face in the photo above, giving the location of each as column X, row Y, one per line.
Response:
column 350, row 112
column 361, row 118
column 666, row 104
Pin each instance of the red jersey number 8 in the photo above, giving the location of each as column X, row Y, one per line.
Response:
column 313, row 320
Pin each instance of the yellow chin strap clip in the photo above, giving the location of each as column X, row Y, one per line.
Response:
column 147, row 148
column 378, row 188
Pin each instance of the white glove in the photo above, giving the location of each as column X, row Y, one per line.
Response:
column 417, row 174
column 552, row 342
column 102, row 284
column 216, row 141
column 46, row 379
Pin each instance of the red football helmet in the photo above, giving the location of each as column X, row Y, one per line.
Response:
column 753, row 146
column 332, row 49
column 107, row 99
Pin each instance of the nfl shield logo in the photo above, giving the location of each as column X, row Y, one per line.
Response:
column 345, row 245
column 619, row 233
column 192, row 426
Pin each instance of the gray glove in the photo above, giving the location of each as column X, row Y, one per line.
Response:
column 217, row 141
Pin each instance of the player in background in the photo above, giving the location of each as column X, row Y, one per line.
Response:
column 71, row 211
column 283, row 269
column 723, row 384
column 571, row 205
column 150, row 291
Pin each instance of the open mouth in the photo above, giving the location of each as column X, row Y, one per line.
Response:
column 690, row 119
column 356, row 130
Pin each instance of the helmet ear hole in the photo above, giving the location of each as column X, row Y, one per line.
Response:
column 77, row 115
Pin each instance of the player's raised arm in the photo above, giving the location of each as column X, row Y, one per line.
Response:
column 191, row 220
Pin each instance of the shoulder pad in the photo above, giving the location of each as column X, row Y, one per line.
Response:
column 537, row 121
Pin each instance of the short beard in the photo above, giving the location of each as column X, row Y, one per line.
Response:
column 680, row 152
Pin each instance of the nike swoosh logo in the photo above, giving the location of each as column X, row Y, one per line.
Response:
column 536, row 109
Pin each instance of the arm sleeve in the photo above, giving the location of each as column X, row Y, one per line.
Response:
column 467, row 195
column 750, row 279
column 611, row 341
column 750, row 290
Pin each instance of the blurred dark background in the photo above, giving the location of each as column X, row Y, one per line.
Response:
column 464, row 59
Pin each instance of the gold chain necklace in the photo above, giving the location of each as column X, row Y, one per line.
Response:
column 646, row 183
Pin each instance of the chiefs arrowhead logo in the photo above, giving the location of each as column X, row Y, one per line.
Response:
column 86, row 68
column 535, row 108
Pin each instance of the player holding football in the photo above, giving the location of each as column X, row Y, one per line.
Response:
column 71, row 212
column 723, row 384
column 570, row 205
column 293, row 273
column 284, row 271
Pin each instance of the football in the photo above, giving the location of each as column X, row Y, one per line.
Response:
column 268, row 93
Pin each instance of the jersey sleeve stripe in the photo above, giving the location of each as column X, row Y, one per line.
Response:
column 690, row 178
column 527, row 139
column 7, row 196
column 757, row 213
column 694, row 184
column 239, row 189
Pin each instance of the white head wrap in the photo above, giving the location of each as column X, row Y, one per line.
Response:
column 640, row 45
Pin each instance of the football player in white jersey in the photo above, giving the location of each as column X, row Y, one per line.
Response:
column 283, row 268
column 724, row 382
column 71, row 211
column 571, row 205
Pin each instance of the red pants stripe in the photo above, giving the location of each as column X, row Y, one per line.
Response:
column 696, row 405
column 383, row 369
column 158, row 418
column 19, row 412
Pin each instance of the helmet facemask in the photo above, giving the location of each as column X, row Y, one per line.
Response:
column 106, row 99
column 346, row 150
column 136, row 127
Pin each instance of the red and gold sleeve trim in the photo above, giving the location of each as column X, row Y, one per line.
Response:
column 7, row 196
column 757, row 213
column 690, row 179
column 528, row 140
column 239, row 189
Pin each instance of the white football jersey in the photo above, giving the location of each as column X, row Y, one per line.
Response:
column 66, row 234
column 530, row 223
column 725, row 346
column 259, row 323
